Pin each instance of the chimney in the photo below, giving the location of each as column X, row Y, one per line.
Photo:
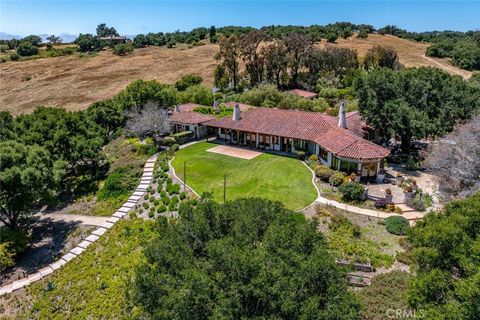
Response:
column 236, row 112
column 177, row 108
column 342, row 118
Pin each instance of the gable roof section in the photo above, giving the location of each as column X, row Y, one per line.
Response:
column 313, row 126
column 189, row 117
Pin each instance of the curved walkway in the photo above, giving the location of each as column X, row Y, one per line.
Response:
column 94, row 236
column 354, row 209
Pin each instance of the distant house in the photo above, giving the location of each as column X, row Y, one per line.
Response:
column 114, row 39
column 303, row 93
column 287, row 131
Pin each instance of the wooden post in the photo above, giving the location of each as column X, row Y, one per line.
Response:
column 224, row 188
column 185, row 176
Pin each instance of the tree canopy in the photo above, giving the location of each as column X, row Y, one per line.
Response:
column 248, row 258
column 446, row 254
column 414, row 103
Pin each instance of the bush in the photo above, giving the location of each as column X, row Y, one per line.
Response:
column 145, row 205
column 145, row 197
column 151, row 213
column 187, row 81
column 6, row 256
column 26, row 49
column 173, row 188
column 323, row 172
column 161, row 208
column 18, row 239
column 313, row 158
column 163, row 193
column 380, row 204
column 171, row 207
column 156, row 202
column 151, row 199
column 352, row 191
column 411, row 164
column 123, row 49
column 174, row 147
column 183, row 195
column 421, row 201
column 14, row 56
column 336, row 178
column 300, row 155
column 397, row 225
column 166, row 200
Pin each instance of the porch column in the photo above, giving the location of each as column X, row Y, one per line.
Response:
column 292, row 145
column 256, row 140
column 329, row 159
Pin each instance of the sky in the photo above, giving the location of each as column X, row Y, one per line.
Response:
column 132, row 17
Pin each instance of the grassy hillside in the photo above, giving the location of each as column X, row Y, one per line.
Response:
column 74, row 82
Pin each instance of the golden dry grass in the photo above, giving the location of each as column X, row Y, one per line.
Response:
column 74, row 83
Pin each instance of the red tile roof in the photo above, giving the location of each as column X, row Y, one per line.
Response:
column 355, row 123
column 189, row 117
column 303, row 93
column 313, row 126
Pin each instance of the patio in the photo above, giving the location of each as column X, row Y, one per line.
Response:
column 424, row 181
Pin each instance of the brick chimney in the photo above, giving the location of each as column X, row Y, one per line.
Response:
column 342, row 118
column 236, row 112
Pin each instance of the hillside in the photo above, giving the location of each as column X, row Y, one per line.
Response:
column 74, row 83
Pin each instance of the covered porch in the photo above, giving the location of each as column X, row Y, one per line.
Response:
column 263, row 141
column 366, row 169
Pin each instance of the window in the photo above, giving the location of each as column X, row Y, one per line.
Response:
column 275, row 139
column 335, row 163
column 323, row 154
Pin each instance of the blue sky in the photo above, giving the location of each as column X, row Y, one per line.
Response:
column 133, row 17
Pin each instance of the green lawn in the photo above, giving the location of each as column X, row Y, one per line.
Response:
column 268, row 176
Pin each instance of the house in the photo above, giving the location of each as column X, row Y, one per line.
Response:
column 189, row 121
column 303, row 93
column 291, row 130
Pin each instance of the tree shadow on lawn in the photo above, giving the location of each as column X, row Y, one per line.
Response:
column 49, row 240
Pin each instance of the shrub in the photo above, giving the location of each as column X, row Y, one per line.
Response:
column 145, row 205
column 6, row 256
column 175, row 199
column 173, row 188
column 174, row 147
column 149, row 189
column 411, row 164
column 183, row 195
column 169, row 180
column 352, row 191
column 397, row 225
column 188, row 81
column 3, row 48
column 323, row 172
column 14, row 56
column 166, row 200
column 163, row 193
column 122, row 49
column 300, row 155
column 26, row 49
column 151, row 199
column 161, row 208
column 313, row 157
column 380, row 204
column 146, row 197
column 336, row 178
column 421, row 201
column 151, row 213
column 156, row 202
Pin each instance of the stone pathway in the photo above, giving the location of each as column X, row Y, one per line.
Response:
column 104, row 224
